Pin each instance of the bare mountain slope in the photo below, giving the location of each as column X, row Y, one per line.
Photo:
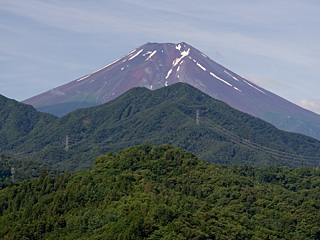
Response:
column 156, row 65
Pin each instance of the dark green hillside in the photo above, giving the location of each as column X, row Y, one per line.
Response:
column 161, row 192
column 18, row 120
column 24, row 169
column 168, row 116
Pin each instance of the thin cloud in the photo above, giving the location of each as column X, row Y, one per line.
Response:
column 86, row 19
column 243, row 26
column 236, row 12
column 281, row 32
column 57, row 92
column 75, row 18
column 312, row 105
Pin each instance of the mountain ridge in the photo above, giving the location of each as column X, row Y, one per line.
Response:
column 168, row 115
column 155, row 65
column 20, row 119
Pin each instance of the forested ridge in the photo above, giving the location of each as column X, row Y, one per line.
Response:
column 165, row 116
column 162, row 192
column 17, row 120
column 155, row 191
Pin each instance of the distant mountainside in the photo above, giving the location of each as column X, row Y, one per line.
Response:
column 18, row 120
column 180, row 115
column 156, row 65
column 160, row 192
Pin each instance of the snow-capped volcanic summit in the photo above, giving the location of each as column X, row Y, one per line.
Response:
column 155, row 65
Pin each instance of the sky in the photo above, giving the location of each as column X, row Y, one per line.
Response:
column 274, row 43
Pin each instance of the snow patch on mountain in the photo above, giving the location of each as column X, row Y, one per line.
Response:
column 153, row 53
column 254, row 87
column 224, row 81
column 83, row 78
column 135, row 55
column 231, row 75
column 130, row 52
column 168, row 74
column 98, row 70
column 237, row 89
column 183, row 54
column 200, row 66
column 147, row 53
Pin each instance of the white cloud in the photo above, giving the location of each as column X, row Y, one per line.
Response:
column 59, row 14
column 57, row 92
column 312, row 105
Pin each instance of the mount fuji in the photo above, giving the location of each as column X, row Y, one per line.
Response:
column 155, row 65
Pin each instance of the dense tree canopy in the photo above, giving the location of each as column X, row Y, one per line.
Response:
column 23, row 169
column 161, row 192
column 17, row 120
column 223, row 135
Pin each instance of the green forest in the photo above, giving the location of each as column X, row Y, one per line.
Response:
column 91, row 174
column 163, row 192
column 223, row 135
column 23, row 168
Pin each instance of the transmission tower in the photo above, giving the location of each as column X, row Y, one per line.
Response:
column 13, row 171
column 67, row 143
column 197, row 116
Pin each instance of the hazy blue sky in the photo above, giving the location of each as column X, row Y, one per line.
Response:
column 275, row 43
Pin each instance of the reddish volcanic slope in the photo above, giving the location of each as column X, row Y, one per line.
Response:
column 156, row 65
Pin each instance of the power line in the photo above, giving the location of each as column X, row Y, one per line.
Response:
column 255, row 146
column 310, row 160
